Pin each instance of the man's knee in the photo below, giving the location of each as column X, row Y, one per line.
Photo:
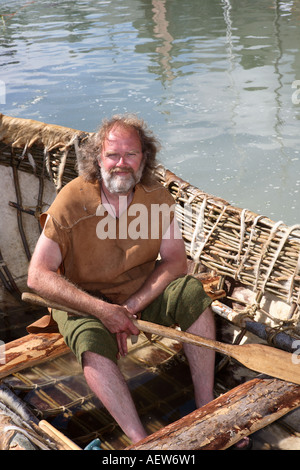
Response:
column 204, row 325
column 193, row 303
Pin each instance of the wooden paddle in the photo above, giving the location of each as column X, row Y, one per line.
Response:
column 257, row 357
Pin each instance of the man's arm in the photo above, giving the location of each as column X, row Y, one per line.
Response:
column 173, row 264
column 44, row 279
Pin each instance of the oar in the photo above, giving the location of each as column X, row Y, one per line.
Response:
column 260, row 358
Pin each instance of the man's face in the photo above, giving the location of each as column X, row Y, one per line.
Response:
column 121, row 160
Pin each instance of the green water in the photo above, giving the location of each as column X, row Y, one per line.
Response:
column 214, row 80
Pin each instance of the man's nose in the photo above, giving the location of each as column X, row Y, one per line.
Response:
column 121, row 161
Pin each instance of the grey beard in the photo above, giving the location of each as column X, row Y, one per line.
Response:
column 120, row 184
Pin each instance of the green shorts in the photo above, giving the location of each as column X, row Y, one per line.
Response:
column 181, row 303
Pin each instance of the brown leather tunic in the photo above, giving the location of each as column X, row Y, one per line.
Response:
column 118, row 265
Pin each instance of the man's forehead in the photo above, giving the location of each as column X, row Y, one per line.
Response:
column 122, row 134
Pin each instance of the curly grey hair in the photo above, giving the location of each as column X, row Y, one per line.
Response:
column 89, row 155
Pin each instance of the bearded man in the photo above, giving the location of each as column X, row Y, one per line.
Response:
column 113, row 278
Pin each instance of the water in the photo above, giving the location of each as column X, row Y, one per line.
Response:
column 213, row 78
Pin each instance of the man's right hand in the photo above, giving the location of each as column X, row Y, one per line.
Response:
column 117, row 319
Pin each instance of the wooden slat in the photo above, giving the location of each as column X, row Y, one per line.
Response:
column 31, row 350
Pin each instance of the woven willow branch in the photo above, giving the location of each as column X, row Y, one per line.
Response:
column 237, row 243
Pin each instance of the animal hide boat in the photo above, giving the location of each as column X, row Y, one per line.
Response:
column 249, row 265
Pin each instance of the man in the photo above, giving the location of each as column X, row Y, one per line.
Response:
column 83, row 261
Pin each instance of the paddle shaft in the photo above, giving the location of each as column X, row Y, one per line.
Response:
column 145, row 326
column 258, row 357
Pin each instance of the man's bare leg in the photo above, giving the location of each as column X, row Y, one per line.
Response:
column 202, row 360
column 107, row 382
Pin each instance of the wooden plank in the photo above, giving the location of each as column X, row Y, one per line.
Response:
column 224, row 421
column 31, row 350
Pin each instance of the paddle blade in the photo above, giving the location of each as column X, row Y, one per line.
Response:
column 268, row 360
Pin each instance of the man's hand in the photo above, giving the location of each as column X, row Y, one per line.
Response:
column 117, row 319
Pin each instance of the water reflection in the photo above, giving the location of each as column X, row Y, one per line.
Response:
column 212, row 77
column 160, row 31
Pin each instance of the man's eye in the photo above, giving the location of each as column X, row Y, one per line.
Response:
column 115, row 156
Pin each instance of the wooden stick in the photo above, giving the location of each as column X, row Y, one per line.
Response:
column 63, row 440
column 257, row 357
